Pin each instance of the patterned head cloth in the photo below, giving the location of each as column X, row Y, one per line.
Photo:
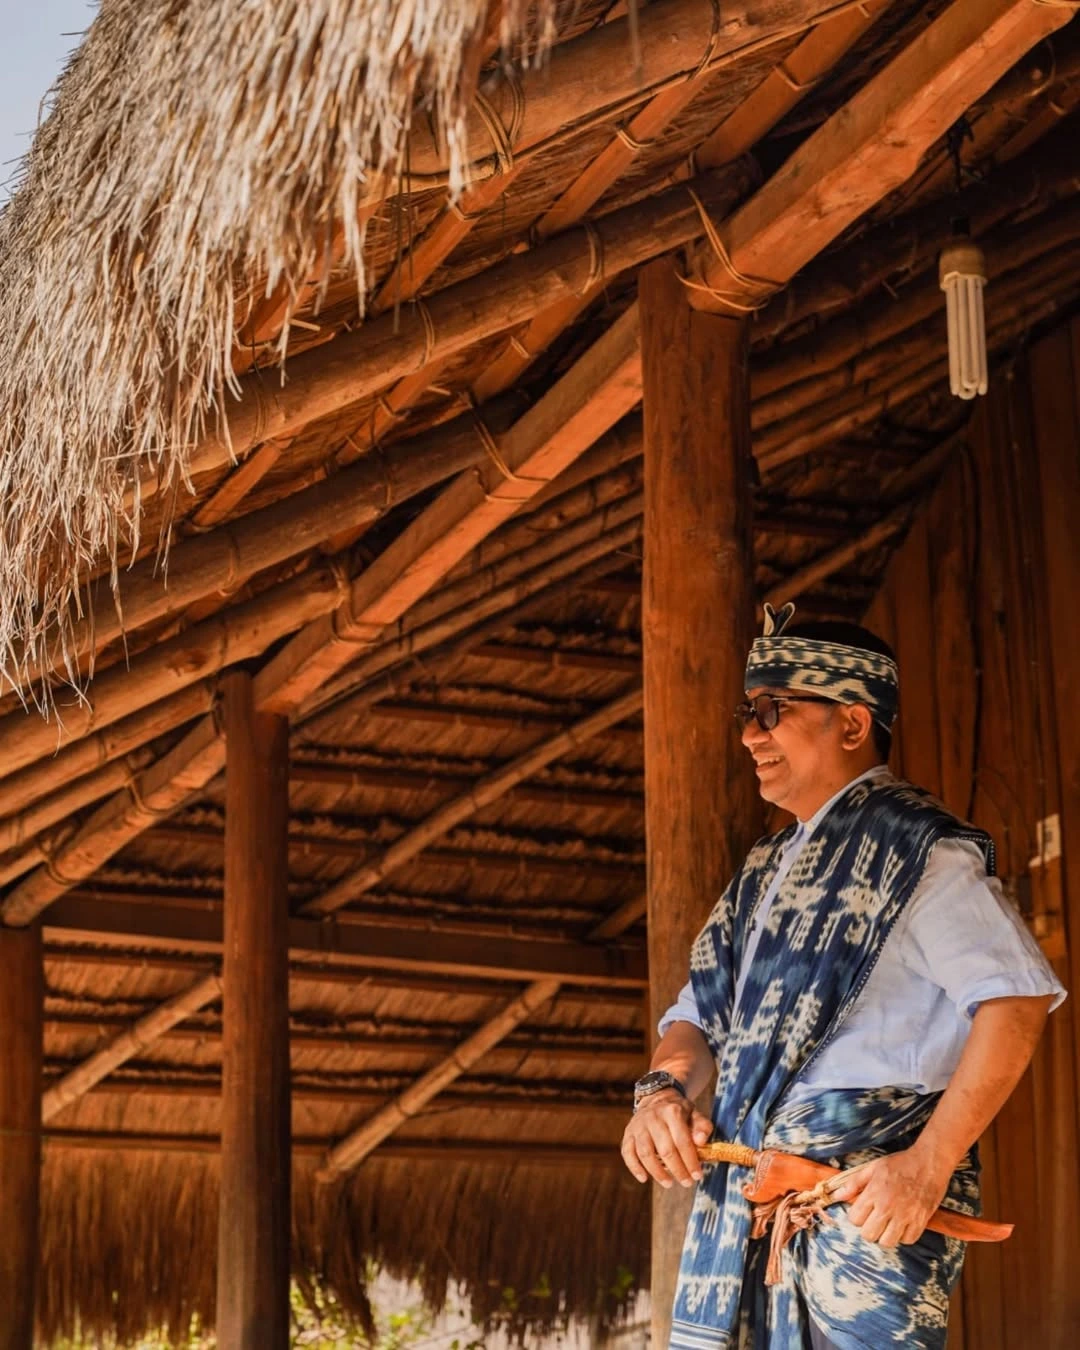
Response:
column 834, row 670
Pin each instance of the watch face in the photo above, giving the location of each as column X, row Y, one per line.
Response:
column 653, row 1081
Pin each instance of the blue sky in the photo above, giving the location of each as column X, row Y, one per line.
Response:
column 38, row 36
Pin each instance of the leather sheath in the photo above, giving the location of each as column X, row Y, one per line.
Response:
column 776, row 1174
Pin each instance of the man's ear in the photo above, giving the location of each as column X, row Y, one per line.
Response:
column 857, row 724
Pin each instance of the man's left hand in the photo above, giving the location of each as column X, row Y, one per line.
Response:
column 892, row 1198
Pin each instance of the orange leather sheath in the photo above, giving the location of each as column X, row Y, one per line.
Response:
column 777, row 1174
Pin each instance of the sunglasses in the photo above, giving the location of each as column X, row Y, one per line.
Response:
column 765, row 709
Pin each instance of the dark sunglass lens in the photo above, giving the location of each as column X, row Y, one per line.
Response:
column 744, row 714
column 768, row 712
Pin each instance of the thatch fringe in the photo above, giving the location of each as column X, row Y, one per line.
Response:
column 195, row 153
column 129, row 1241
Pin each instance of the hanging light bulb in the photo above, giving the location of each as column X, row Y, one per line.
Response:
column 962, row 272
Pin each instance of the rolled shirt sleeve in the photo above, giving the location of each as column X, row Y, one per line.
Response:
column 684, row 1009
column 960, row 932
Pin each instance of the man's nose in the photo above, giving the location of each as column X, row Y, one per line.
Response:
column 752, row 734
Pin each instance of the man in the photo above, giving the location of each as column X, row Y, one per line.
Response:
column 864, row 994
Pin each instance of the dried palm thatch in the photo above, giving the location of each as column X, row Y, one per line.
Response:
column 152, row 1224
column 196, row 154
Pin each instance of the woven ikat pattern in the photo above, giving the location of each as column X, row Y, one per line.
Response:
column 846, row 674
column 825, row 930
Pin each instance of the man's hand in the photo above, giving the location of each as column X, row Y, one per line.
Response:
column 662, row 1137
column 892, row 1198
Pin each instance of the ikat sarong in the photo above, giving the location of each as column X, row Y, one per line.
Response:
column 824, row 933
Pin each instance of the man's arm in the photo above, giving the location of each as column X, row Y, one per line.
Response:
column 894, row 1196
column 661, row 1138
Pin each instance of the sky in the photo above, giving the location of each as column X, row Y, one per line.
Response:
column 38, row 37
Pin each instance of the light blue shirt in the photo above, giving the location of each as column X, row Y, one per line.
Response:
column 957, row 943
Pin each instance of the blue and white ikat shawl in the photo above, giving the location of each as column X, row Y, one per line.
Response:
column 823, row 935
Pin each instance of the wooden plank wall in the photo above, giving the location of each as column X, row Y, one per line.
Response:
column 982, row 603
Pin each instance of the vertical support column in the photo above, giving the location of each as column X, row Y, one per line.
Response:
column 21, row 1012
column 701, row 805
column 254, row 1219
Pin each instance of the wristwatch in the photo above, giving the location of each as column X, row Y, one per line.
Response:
column 656, row 1080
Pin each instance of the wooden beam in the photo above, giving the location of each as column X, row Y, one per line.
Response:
column 191, row 764
column 389, row 778
column 311, row 969
column 359, row 1143
column 536, row 864
column 239, row 633
column 834, row 560
column 781, row 89
column 697, row 625
column 870, row 146
column 595, row 75
column 903, row 246
column 135, row 1037
column 505, row 1095
column 362, row 945
column 96, row 751
column 255, row 1205
column 221, row 560
column 485, row 791
column 479, row 1152
column 803, row 67
column 597, row 390
column 375, row 355
column 21, row 1007
column 385, row 1039
column 156, row 792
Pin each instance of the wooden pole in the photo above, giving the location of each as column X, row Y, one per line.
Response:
column 254, row 1217
column 701, row 808
column 21, row 1007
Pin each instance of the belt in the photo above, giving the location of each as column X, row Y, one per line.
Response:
column 791, row 1193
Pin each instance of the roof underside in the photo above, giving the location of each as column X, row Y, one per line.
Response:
column 849, row 375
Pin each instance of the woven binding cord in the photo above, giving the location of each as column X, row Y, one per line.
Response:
column 710, row 50
column 491, row 449
column 792, row 83
column 429, row 334
column 596, row 258
column 631, row 142
column 761, row 289
column 502, row 136
column 53, row 870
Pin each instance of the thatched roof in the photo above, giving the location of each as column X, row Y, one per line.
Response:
column 193, row 214
column 188, row 146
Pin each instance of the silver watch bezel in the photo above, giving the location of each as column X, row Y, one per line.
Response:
column 656, row 1080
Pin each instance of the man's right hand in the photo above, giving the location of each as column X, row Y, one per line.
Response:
column 662, row 1138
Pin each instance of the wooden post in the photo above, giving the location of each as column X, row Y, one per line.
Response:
column 701, row 804
column 254, row 1220
column 21, row 1005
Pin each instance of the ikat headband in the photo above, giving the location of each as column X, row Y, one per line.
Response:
column 846, row 674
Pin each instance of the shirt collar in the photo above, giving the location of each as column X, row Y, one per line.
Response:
column 879, row 773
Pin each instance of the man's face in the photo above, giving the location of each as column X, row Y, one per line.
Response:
column 803, row 751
